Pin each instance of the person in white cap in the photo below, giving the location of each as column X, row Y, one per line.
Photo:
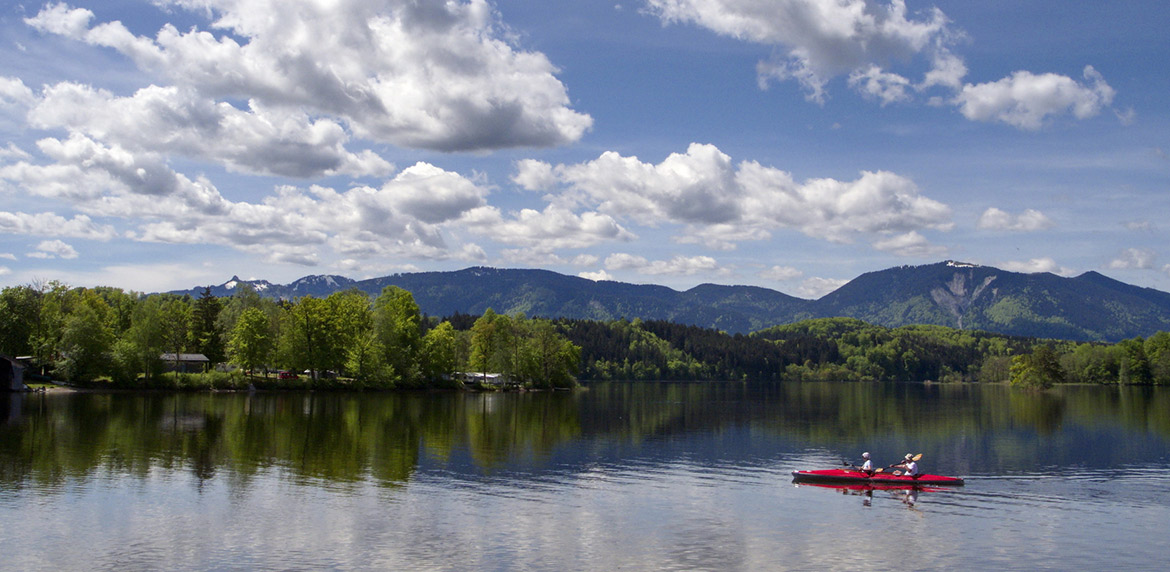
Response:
column 909, row 466
column 867, row 466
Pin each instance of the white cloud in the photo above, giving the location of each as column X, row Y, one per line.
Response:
column 816, row 39
column 1126, row 116
column 541, row 257
column 781, row 273
column 5, row 271
column 1035, row 265
column 695, row 187
column 721, row 203
column 1025, row 100
column 13, row 152
column 884, row 86
column 14, row 94
column 584, row 260
column 416, row 74
column 625, row 261
column 529, row 257
column 49, row 224
column 724, row 236
column 171, row 120
column 676, row 266
column 160, row 277
column 554, row 228
column 53, row 249
column 533, row 175
column 8, row 255
column 1027, row 221
column 111, row 180
column 947, row 70
column 403, row 216
column 813, row 288
column 1139, row 258
column 910, row 244
column 596, row 276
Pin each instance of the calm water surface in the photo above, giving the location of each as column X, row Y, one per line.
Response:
column 624, row 476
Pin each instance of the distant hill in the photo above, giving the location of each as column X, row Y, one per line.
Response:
column 1088, row 307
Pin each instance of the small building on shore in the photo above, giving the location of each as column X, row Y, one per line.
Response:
column 11, row 374
column 185, row 363
column 482, row 378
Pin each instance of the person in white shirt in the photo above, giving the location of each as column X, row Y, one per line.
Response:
column 867, row 466
column 908, row 466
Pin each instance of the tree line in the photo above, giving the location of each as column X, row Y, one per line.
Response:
column 847, row 349
column 83, row 335
column 97, row 333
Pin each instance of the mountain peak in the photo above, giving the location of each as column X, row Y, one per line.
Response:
column 957, row 264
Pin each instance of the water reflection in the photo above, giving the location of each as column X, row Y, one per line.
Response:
column 963, row 429
column 622, row 476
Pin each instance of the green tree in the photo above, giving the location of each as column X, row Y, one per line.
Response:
column 251, row 342
column 1090, row 363
column 440, row 352
column 1039, row 369
column 398, row 322
column 206, row 331
column 546, row 358
column 143, row 343
column 122, row 305
column 1158, row 356
column 491, row 340
column 86, row 338
column 244, row 296
column 1133, row 368
column 357, row 346
column 306, row 336
column 20, row 313
column 46, row 333
column 175, row 318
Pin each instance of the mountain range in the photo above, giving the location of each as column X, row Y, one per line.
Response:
column 1089, row 307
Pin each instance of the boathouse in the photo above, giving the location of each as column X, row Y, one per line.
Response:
column 185, row 363
column 11, row 374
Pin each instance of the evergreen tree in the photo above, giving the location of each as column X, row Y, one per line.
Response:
column 206, row 332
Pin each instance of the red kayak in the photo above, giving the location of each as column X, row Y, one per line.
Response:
column 855, row 476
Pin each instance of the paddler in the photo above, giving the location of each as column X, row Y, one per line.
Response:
column 867, row 466
column 909, row 466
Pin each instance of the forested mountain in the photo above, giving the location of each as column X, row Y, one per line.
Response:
column 966, row 296
column 543, row 293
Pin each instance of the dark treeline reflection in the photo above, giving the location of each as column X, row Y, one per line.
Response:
column 965, row 429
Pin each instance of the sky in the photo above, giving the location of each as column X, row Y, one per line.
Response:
column 791, row 144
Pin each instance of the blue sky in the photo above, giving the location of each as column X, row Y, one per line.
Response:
column 791, row 144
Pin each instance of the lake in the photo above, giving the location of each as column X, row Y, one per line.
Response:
column 620, row 476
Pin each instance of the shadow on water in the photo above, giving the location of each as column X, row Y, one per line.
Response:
column 388, row 438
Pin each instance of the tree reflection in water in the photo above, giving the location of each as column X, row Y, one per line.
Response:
column 963, row 429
